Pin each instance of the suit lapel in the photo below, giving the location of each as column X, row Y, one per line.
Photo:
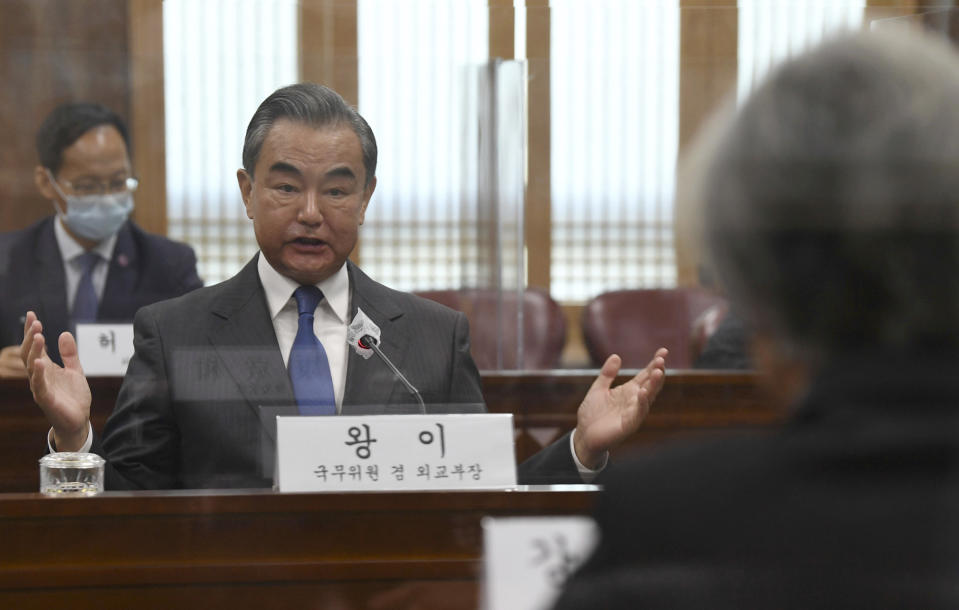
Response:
column 369, row 381
column 246, row 342
column 52, row 280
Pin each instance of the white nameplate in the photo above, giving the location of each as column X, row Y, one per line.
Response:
column 105, row 349
column 390, row 452
column 526, row 560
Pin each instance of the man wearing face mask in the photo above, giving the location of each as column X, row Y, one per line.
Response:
column 87, row 262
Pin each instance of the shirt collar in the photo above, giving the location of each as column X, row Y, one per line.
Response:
column 279, row 289
column 70, row 249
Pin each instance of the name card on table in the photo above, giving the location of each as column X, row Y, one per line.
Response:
column 395, row 452
column 105, row 349
column 527, row 560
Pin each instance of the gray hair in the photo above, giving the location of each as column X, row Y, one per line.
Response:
column 310, row 104
column 832, row 199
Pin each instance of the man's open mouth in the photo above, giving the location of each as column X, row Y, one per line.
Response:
column 308, row 241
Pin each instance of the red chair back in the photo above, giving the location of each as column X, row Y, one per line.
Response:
column 634, row 323
column 544, row 326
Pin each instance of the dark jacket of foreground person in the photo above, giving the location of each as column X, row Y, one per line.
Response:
column 854, row 504
column 830, row 210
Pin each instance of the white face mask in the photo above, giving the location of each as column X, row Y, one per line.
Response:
column 94, row 217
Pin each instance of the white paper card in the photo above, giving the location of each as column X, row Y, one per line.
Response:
column 526, row 560
column 105, row 349
column 391, row 452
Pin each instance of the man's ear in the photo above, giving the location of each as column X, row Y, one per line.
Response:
column 246, row 190
column 366, row 199
column 41, row 179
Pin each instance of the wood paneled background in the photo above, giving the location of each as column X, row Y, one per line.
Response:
column 53, row 51
column 110, row 51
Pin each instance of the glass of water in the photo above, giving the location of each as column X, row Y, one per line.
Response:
column 71, row 474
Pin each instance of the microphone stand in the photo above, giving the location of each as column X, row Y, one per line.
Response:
column 371, row 343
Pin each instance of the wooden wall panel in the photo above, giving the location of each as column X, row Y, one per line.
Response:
column 538, row 190
column 328, row 54
column 328, row 39
column 708, row 65
column 147, row 113
column 53, row 51
column 502, row 24
column 938, row 16
column 880, row 9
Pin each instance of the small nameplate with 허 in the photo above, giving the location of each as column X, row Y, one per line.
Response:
column 105, row 349
column 395, row 452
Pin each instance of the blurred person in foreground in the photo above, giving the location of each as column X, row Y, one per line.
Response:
column 87, row 262
column 188, row 414
column 832, row 216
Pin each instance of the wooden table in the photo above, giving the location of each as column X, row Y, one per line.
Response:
column 256, row 549
column 23, row 430
column 544, row 405
column 691, row 403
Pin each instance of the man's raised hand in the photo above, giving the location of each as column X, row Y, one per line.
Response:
column 62, row 393
column 608, row 415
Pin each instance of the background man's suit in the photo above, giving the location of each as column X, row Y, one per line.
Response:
column 853, row 504
column 728, row 347
column 188, row 412
column 144, row 269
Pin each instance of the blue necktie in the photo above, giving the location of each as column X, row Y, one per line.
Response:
column 309, row 367
column 85, row 303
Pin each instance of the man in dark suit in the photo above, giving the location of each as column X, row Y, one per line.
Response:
column 84, row 170
column 832, row 216
column 728, row 347
column 189, row 413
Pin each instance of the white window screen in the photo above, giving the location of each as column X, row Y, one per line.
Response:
column 418, row 67
column 221, row 59
column 773, row 30
column 614, row 70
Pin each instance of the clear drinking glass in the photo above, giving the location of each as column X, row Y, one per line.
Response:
column 71, row 474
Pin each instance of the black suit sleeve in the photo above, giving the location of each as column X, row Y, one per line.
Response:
column 140, row 440
column 728, row 348
column 184, row 272
column 552, row 465
column 464, row 379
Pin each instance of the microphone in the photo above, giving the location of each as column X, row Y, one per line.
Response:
column 363, row 336
column 370, row 342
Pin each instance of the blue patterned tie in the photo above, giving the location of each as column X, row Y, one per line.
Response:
column 309, row 367
column 85, row 303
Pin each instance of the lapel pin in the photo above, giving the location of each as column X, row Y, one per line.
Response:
column 362, row 326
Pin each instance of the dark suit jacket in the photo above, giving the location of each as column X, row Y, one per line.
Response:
column 145, row 268
column 189, row 410
column 853, row 504
column 728, row 347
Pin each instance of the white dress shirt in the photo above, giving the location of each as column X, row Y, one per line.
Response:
column 330, row 321
column 70, row 252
